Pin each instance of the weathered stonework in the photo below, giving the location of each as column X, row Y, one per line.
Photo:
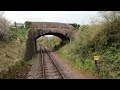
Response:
column 38, row 29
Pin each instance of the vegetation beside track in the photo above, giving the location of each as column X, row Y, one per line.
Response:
column 12, row 46
column 99, row 38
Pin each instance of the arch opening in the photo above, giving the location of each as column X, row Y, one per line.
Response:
column 31, row 44
column 52, row 43
column 61, row 36
column 64, row 40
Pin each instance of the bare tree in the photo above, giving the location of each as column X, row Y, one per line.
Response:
column 4, row 27
column 105, row 16
column 1, row 13
column 109, row 16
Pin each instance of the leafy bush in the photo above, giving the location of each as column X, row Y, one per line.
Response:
column 27, row 24
column 18, row 33
column 76, row 26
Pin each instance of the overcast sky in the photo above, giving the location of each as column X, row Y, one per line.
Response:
column 80, row 17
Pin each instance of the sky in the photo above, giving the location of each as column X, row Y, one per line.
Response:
column 80, row 17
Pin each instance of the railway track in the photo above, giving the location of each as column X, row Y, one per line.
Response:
column 50, row 70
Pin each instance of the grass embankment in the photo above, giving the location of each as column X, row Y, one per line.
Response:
column 101, row 39
column 91, row 40
column 87, row 68
column 19, row 70
column 12, row 64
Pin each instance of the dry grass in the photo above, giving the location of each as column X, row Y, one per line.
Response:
column 10, row 53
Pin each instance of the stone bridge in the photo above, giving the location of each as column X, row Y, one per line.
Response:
column 38, row 29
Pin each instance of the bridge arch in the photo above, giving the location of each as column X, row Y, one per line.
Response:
column 34, row 33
